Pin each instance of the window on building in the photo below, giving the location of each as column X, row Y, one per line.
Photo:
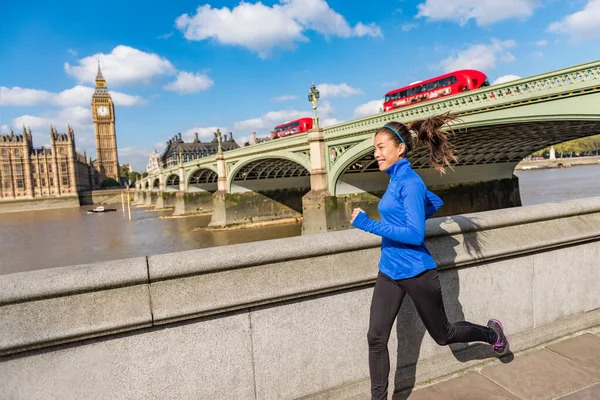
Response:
column 65, row 181
column 20, row 184
column 4, row 153
column 19, row 169
column 43, row 182
column 42, row 169
column 7, row 183
column 17, row 153
column 50, row 181
column 33, row 169
column 35, row 183
column 63, row 167
column 62, row 151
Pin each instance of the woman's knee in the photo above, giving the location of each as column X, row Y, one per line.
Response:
column 376, row 338
column 442, row 340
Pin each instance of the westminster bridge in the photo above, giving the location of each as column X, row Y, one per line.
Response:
column 324, row 173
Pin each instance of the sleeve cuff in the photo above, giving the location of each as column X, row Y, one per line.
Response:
column 360, row 219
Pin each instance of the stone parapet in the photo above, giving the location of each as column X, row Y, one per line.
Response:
column 287, row 318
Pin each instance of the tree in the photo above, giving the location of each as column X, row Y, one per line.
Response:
column 134, row 176
column 109, row 182
column 124, row 171
column 144, row 174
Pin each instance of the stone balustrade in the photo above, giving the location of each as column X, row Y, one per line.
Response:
column 287, row 318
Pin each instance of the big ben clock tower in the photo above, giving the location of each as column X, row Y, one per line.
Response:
column 103, row 114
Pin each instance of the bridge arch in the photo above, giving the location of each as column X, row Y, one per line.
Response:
column 156, row 184
column 201, row 179
column 172, row 182
column 347, row 159
column 274, row 165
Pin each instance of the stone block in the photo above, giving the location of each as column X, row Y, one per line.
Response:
column 204, row 359
column 566, row 282
column 221, row 291
column 47, row 322
column 52, row 282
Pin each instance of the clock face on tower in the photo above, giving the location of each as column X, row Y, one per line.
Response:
column 102, row 111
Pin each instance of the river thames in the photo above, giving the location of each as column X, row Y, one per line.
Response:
column 43, row 239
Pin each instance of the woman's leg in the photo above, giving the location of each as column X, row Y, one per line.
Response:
column 426, row 293
column 387, row 298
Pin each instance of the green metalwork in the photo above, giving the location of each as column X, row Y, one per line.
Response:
column 561, row 97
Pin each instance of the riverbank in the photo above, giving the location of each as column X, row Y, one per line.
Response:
column 557, row 163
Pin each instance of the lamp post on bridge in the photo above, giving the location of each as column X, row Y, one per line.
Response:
column 313, row 98
column 318, row 202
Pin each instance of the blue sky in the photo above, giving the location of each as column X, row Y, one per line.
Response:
column 191, row 66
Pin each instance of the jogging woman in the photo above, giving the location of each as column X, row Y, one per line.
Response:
column 406, row 266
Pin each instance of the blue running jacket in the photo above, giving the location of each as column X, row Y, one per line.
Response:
column 403, row 209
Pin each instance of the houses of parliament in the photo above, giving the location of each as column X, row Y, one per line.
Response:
column 59, row 170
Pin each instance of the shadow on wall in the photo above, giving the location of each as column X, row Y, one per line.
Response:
column 411, row 331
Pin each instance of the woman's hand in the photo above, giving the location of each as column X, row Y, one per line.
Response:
column 355, row 213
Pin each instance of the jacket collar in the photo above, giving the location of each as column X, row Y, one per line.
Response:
column 398, row 168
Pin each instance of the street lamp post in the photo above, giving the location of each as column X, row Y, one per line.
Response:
column 313, row 98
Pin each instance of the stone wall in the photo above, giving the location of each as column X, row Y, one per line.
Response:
column 46, row 203
column 105, row 196
column 287, row 318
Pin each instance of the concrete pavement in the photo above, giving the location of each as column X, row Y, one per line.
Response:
column 568, row 369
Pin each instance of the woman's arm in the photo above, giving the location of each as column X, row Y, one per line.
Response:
column 413, row 232
column 432, row 204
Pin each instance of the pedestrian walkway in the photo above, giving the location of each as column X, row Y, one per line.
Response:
column 568, row 369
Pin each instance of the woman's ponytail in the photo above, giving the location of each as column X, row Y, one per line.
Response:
column 429, row 131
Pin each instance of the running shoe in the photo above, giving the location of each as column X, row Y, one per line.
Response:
column 501, row 346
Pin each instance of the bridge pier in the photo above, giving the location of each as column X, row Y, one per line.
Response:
column 251, row 207
column 321, row 211
column 192, row 203
column 165, row 200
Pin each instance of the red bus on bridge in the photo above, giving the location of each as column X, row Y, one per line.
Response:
column 292, row 127
column 434, row 88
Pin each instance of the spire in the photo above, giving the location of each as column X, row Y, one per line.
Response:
column 99, row 77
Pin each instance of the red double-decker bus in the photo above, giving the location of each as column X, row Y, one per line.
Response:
column 292, row 127
column 434, row 88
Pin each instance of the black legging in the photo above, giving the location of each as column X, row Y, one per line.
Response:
column 426, row 294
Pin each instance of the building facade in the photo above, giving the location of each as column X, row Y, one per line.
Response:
column 27, row 172
column 178, row 150
column 58, row 170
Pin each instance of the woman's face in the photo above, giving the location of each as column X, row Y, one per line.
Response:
column 387, row 152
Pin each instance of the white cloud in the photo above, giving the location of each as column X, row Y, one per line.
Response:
column 370, row 108
column 408, row 27
column 581, row 25
column 165, row 36
column 260, row 28
column 269, row 120
column 541, row 43
column 484, row 12
column 188, row 82
column 328, row 122
column 537, row 54
column 341, row 90
column 72, row 52
column 124, row 65
column 79, row 118
column 505, row 78
column 479, row 56
column 4, row 128
column 286, row 97
column 77, row 95
column 136, row 156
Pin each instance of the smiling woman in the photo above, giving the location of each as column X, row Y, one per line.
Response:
column 405, row 265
